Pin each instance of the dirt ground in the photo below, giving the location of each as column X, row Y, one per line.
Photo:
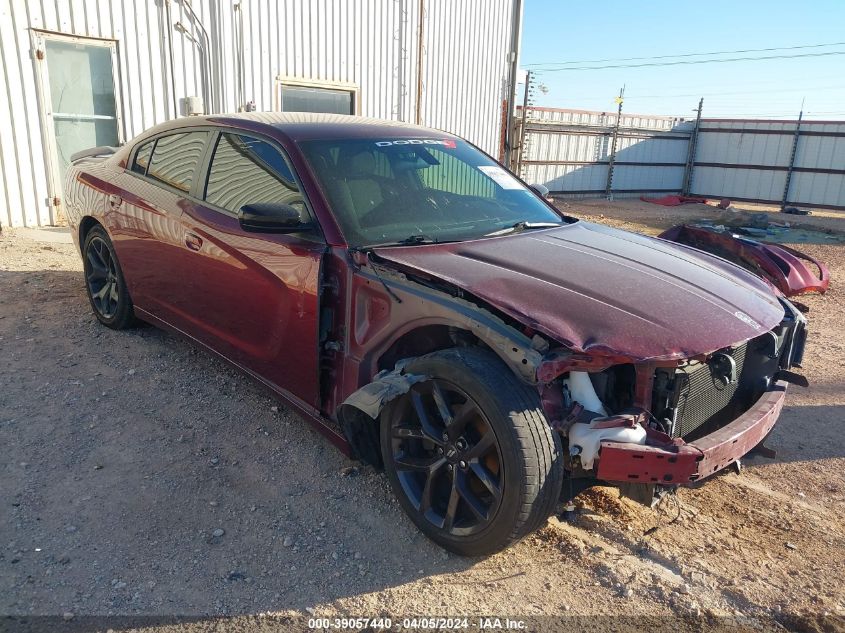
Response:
column 144, row 477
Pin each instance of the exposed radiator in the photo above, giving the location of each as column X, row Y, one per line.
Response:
column 702, row 394
column 696, row 399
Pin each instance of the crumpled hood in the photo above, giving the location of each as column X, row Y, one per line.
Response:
column 604, row 291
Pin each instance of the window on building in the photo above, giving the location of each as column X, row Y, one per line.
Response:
column 246, row 170
column 142, row 157
column 298, row 97
column 175, row 159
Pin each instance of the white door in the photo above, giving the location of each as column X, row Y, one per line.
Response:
column 79, row 101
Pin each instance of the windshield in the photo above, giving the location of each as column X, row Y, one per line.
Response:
column 414, row 191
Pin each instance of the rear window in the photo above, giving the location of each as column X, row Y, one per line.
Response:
column 176, row 157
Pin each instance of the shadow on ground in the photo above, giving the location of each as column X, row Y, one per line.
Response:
column 147, row 477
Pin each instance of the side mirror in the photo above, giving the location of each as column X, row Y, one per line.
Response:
column 542, row 190
column 271, row 217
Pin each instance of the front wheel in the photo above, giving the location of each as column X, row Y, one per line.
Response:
column 469, row 452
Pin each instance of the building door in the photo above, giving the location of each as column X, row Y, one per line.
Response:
column 79, row 103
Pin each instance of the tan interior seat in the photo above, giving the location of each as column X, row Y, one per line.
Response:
column 364, row 189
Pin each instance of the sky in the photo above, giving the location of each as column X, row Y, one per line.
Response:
column 557, row 31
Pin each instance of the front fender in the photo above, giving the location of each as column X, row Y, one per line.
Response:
column 358, row 414
column 413, row 304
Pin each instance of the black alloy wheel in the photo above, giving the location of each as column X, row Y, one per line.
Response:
column 104, row 281
column 447, row 458
column 101, row 277
column 469, row 453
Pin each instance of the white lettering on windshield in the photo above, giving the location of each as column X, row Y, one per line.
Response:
column 418, row 141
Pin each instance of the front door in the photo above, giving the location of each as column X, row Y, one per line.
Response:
column 79, row 104
column 252, row 296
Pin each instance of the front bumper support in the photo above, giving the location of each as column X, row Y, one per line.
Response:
column 671, row 464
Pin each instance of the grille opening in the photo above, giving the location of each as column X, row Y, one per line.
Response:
column 701, row 397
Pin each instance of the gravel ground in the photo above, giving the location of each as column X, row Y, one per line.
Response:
column 144, row 477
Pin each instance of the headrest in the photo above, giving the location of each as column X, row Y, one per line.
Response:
column 362, row 163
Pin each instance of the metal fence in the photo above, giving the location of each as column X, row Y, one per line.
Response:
column 569, row 151
column 773, row 162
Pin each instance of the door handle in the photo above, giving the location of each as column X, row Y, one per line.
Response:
column 115, row 201
column 194, row 242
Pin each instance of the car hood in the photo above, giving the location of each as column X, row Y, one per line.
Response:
column 604, row 291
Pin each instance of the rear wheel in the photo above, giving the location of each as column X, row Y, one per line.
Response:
column 469, row 453
column 104, row 281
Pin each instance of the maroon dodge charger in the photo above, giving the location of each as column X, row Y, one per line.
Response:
column 431, row 314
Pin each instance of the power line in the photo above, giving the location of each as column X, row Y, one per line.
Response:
column 741, row 92
column 695, row 61
column 629, row 59
column 792, row 77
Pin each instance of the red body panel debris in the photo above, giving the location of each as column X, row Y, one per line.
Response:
column 674, row 201
column 790, row 271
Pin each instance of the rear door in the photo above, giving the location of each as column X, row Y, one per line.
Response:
column 145, row 219
column 252, row 296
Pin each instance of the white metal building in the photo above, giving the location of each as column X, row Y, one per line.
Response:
column 80, row 73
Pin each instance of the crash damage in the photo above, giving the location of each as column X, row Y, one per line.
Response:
column 637, row 403
column 788, row 270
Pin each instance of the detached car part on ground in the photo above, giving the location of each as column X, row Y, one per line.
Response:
column 790, row 271
column 431, row 314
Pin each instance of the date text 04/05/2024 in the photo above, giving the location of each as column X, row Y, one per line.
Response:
column 417, row 623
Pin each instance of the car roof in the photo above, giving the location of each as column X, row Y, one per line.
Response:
column 299, row 126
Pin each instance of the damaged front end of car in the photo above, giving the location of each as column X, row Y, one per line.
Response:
column 647, row 390
column 648, row 426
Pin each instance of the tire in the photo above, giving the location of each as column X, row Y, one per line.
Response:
column 490, row 491
column 104, row 281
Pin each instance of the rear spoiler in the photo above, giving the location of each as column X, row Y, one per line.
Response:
column 103, row 150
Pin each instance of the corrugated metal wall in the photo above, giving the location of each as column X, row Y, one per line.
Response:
column 746, row 160
column 568, row 151
column 370, row 43
column 749, row 160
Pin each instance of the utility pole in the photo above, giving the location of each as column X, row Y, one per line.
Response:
column 612, row 158
column 420, row 53
column 510, row 88
column 693, row 141
column 791, row 167
column 522, row 131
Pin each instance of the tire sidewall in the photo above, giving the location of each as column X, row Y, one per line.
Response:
column 499, row 533
column 123, row 316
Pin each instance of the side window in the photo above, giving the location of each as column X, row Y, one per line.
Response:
column 455, row 176
column 245, row 170
column 142, row 157
column 175, row 159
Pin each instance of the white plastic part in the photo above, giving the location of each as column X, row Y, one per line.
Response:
column 194, row 106
column 582, row 391
column 589, row 439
